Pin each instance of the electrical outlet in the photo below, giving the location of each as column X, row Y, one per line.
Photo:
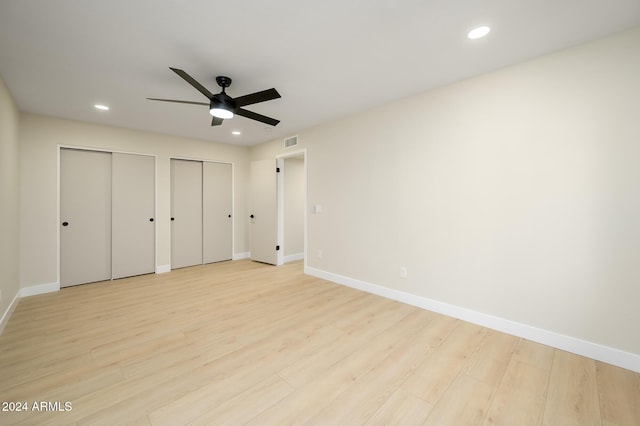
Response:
column 319, row 254
column 403, row 272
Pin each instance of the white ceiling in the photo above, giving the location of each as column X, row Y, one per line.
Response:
column 327, row 58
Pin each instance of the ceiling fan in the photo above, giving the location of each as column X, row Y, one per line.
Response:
column 222, row 106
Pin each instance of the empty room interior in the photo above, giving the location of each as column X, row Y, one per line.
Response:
column 364, row 212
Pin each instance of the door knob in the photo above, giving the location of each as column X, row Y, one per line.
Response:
column 251, row 216
column 173, row 219
column 65, row 223
column 150, row 219
column 229, row 216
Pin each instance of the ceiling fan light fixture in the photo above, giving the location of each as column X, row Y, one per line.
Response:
column 221, row 106
column 221, row 113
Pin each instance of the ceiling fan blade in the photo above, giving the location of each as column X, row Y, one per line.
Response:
column 256, row 116
column 192, row 82
column 180, row 102
column 254, row 98
column 216, row 121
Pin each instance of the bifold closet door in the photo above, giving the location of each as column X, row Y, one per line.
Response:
column 186, row 213
column 85, row 216
column 133, row 211
column 216, row 205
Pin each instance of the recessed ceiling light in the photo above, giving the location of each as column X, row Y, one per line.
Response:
column 478, row 32
column 101, row 107
column 235, row 132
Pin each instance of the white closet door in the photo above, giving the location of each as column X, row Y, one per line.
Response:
column 263, row 217
column 216, row 204
column 133, row 209
column 85, row 216
column 186, row 213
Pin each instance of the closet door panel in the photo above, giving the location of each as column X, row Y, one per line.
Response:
column 217, row 206
column 133, row 215
column 186, row 213
column 85, row 216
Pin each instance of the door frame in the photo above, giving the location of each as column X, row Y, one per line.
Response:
column 59, row 148
column 280, row 201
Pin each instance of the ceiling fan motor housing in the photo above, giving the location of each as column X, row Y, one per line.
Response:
column 223, row 101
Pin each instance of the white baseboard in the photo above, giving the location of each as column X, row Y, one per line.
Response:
column 245, row 255
column 26, row 292
column 627, row 360
column 163, row 269
column 34, row 290
column 7, row 314
column 293, row 257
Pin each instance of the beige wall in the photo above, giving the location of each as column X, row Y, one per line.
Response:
column 293, row 206
column 515, row 194
column 40, row 137
column 9, row 199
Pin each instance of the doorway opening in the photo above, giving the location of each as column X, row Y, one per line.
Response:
column 292, row 207
column 278, row 218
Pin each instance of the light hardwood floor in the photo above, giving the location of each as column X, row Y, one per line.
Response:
column 246, row 343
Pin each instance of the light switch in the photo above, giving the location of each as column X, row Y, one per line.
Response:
column 317, row 208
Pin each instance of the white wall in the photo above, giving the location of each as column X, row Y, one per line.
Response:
column 514, row 194
column 9, row 200
column 293, row 206
column 40, row 137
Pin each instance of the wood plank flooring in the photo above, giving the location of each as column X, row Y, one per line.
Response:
column 246, row 343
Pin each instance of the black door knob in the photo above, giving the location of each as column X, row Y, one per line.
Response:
column 251, row 216
column 173, row 218
column 65, row 223
column 150, row 219
column 229, row 216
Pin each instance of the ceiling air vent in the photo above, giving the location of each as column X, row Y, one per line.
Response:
column 291, row 142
